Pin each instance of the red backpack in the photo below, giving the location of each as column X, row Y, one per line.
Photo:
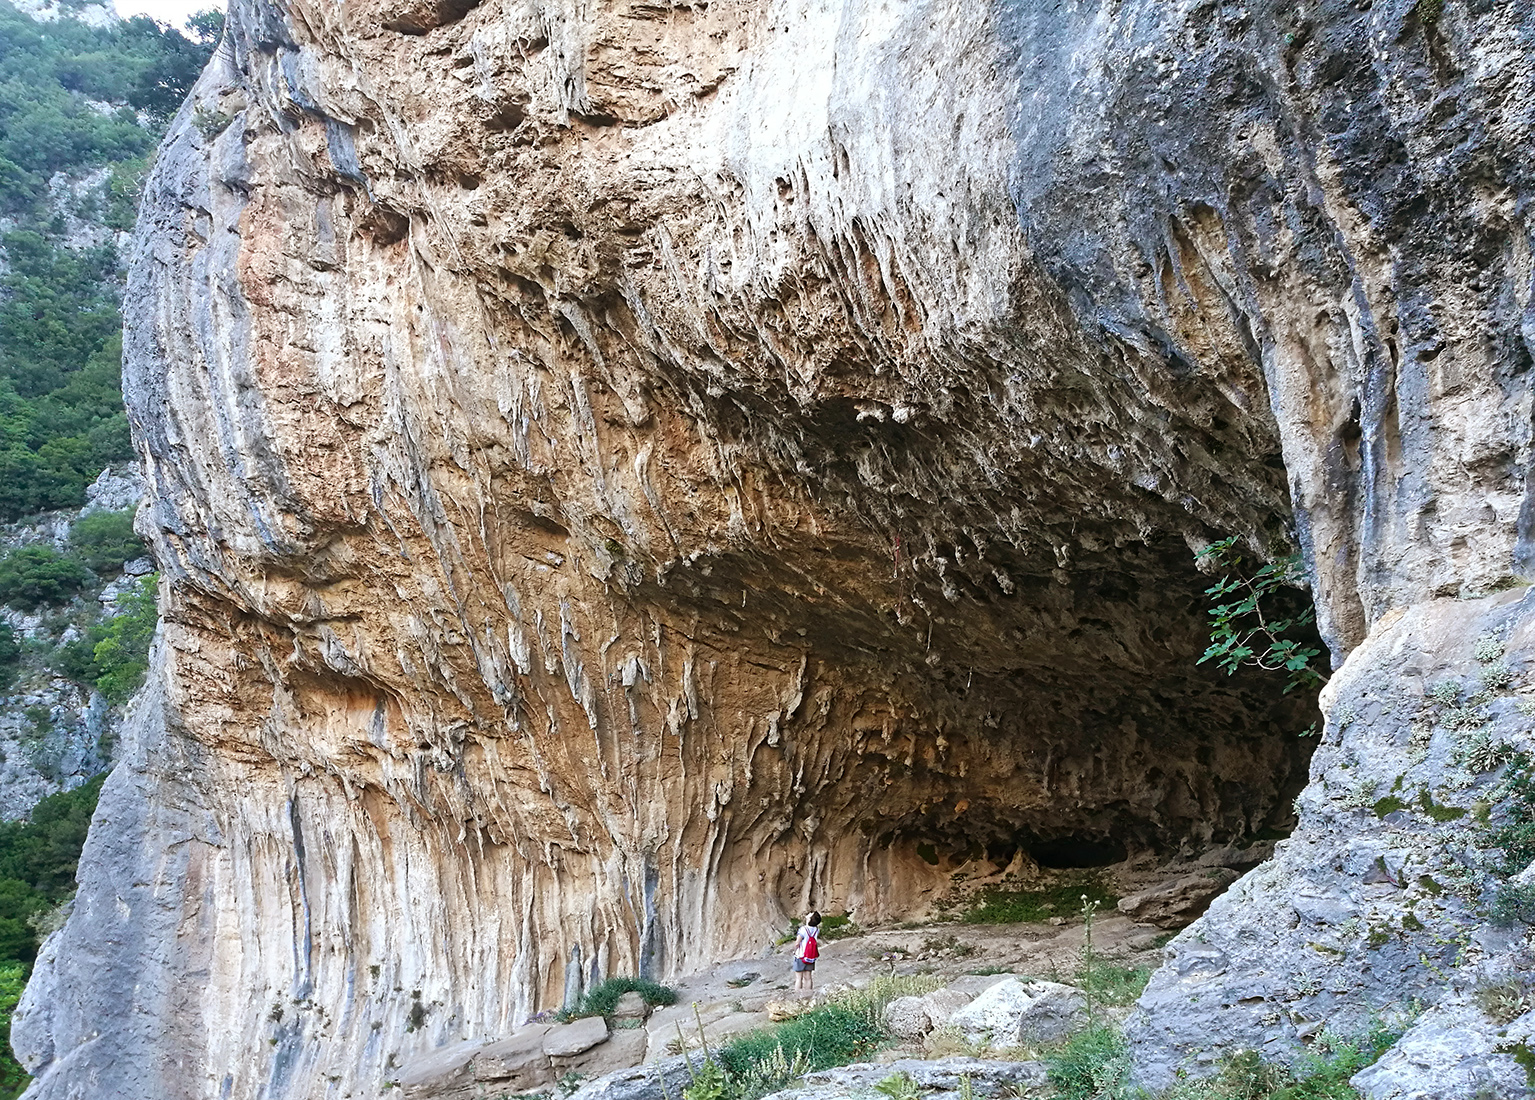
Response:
column 812, row 948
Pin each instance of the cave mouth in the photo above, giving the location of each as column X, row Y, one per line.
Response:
column 1076, row 852
column 1081, row 733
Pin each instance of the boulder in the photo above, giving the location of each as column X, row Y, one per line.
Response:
column 907, row 1018
column 446, row 1073
column 1013, row 1012
column 517, row 1061
column 911, row 1018
column 657, row 1081
column 941, row 1004
column 464, row 1071
column 778, row 1011
column 1178, row 901
column 568, row 1040
column 625, row 1047
column 1238, row 859
column 631, row 1006
column 940, row 1079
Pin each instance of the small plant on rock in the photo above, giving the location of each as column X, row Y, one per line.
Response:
column 1092, row 1064
column 1489, row 647
column 602, row 999
column 898, row 1086
column 1480, row 752
column 1515, row 834
column 1504, row 1002
column 1254, row 627
column 1512, row 904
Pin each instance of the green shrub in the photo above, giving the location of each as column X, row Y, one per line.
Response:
column 13, row 1079
column 1265, row 621
column 113, row 655
column 847, row 1029
column 61, row 412
column 710, row 1082
column 1092, row 1064
column 1515, row 834
column 104, row 541
column 831, row 1035
column 999, row 905
column 37, row 865
column 602, row 1000
column 34, row 575
column 839, row 926
column 1320, row 1074
column 1513, row 904
column 10, row 654
column 1112, row 985
column 870, row 1000
column 1324, row 1071
column 899, row 1086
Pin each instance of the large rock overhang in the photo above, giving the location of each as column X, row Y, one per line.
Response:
column 623, row 473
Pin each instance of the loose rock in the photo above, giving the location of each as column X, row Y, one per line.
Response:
column 1178, row 902
column 1013, row 1012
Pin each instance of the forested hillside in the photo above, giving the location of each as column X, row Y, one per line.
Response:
column 81, row 111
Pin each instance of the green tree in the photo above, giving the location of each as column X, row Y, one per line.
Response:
column 61, row 415
column 34, row 575
column 121, row 656
column 104, row 540
column 1259, row 624
column 114, row 655
column 13, row 1079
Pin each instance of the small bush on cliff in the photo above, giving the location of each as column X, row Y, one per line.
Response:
column 37, row 865
column 35, row 575
column 13, row 1079
column 114, row 655
column 1514, row 832
column 602, row 999
column 104, row 541
column 1320, row 1074
column 1259, row 625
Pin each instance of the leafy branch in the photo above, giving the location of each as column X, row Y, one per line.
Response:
column 1251, row 628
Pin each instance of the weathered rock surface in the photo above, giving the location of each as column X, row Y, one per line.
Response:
column 1452, row 1052
column 1178, row 901
column 910, row 1018
column 1014, row 1012
column 625, row 473
column 945, row 1076
column 1380, row 899
column 656, row 1081
column 566, row 1040
column 530, row 1059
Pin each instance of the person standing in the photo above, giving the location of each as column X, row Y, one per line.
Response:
column 807, row 948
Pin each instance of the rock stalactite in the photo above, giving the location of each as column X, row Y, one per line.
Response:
column 624, row 472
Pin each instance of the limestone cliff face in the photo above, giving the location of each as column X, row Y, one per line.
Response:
column 623, row 472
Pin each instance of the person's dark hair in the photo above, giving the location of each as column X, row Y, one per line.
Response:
column 814, row 920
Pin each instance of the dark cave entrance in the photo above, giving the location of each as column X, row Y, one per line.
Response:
column 1077, row 852
column 1083, row 732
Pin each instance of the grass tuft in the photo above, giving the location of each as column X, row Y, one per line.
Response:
column 601, row 1000
column 1000, row 905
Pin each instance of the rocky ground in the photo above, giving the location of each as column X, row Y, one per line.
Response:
column 985, row 978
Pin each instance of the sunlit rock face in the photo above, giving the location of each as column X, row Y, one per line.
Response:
column 623, row 473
